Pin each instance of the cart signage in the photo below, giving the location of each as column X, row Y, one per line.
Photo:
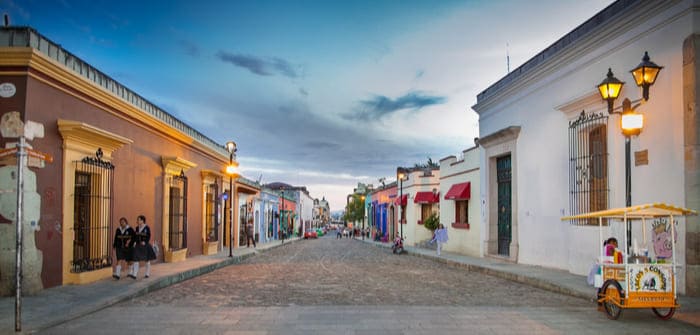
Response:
column 650, row 278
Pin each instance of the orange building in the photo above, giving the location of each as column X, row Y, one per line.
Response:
column 114, row 155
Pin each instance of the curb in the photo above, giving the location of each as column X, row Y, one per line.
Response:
column 155, row 286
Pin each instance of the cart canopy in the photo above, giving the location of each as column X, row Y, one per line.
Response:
column 636, row 212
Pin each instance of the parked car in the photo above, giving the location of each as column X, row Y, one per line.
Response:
column 310, row 234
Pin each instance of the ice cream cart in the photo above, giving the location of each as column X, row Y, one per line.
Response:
column 638, row 280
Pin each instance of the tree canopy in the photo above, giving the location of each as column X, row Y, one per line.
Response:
column 354, row 209
column 429, row 164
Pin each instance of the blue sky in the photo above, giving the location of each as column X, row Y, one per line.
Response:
column 317, row 93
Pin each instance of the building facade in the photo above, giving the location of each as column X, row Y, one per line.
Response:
column 383, row 211
column 460, row 210
column 114, row 155
column 552, row 148
column 421, row 197
column 269, row 221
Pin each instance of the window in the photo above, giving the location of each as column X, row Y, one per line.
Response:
column 461, row 211
column 211, row 208
column 403, row 214
column 177, row 218
column 425, row 211
column 588, row 165
column 270, row 223
column 242, row 219
column 92, row 214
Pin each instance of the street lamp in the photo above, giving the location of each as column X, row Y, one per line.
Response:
column 283, row 228
column 363, row 216
column 370, row 217
column 645, row 74
column 401, row 175
column 232, row 172
column 347, row 208
column 631, row 123
column 610, row 89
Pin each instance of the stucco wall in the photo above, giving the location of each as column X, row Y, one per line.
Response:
column 544, row 102
column 418, row 182
column 138, row 176
column 454, row 171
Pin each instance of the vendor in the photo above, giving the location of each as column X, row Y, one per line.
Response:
column 610, row 246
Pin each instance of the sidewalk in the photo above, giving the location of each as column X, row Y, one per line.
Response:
column 545, row 278
column 60, row 304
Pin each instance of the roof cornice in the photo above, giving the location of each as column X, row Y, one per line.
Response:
column 610, row 23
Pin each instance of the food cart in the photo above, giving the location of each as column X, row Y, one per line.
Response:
column 639, row 281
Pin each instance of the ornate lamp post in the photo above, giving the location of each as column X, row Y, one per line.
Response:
column 347, row 208
column 631, row 123
column 283, row 228
column 370, row 217
column 232, row 172
column 401, row 175
column 362, row 197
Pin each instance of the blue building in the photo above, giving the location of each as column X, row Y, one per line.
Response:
column 268, row 219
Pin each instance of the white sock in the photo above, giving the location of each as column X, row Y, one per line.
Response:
column 136, row 269
column 148, row 268
column 118, row 271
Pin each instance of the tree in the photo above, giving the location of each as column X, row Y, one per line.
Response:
column 432, row 222
column 429, row 164
column 354, row 209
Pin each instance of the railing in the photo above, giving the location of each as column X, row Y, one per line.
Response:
column 28, row 37
column 178, row 213
column 92, row 213
column 588, row 165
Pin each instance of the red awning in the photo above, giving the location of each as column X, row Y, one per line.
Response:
column 426, row 198
column 460, row 191
column 404, row 199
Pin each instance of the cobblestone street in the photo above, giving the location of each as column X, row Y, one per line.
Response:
column 330, row 286
column 347, row 272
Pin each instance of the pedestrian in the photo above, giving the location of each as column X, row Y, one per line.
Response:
column 249, row 231
column 440, row 237
column 339, row 233
column 142, row 249
column 281, row 235
column 122, row 237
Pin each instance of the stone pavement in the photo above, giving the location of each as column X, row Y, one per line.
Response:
column 60, row 304
column 545, row 278
column 57, row 305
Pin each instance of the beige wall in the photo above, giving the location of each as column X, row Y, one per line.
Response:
column 453, row 171
column 418, row 181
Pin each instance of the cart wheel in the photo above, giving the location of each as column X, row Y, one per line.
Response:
column 664, row 313
column 612, row 292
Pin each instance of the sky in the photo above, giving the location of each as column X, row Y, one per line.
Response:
column 322, row 94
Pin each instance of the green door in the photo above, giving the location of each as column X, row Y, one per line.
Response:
column 503, row 175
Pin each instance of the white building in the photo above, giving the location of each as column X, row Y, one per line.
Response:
column 420, row 192
column 551, row 149
column 305, row 206
column 460, row 210
column 321, row 212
